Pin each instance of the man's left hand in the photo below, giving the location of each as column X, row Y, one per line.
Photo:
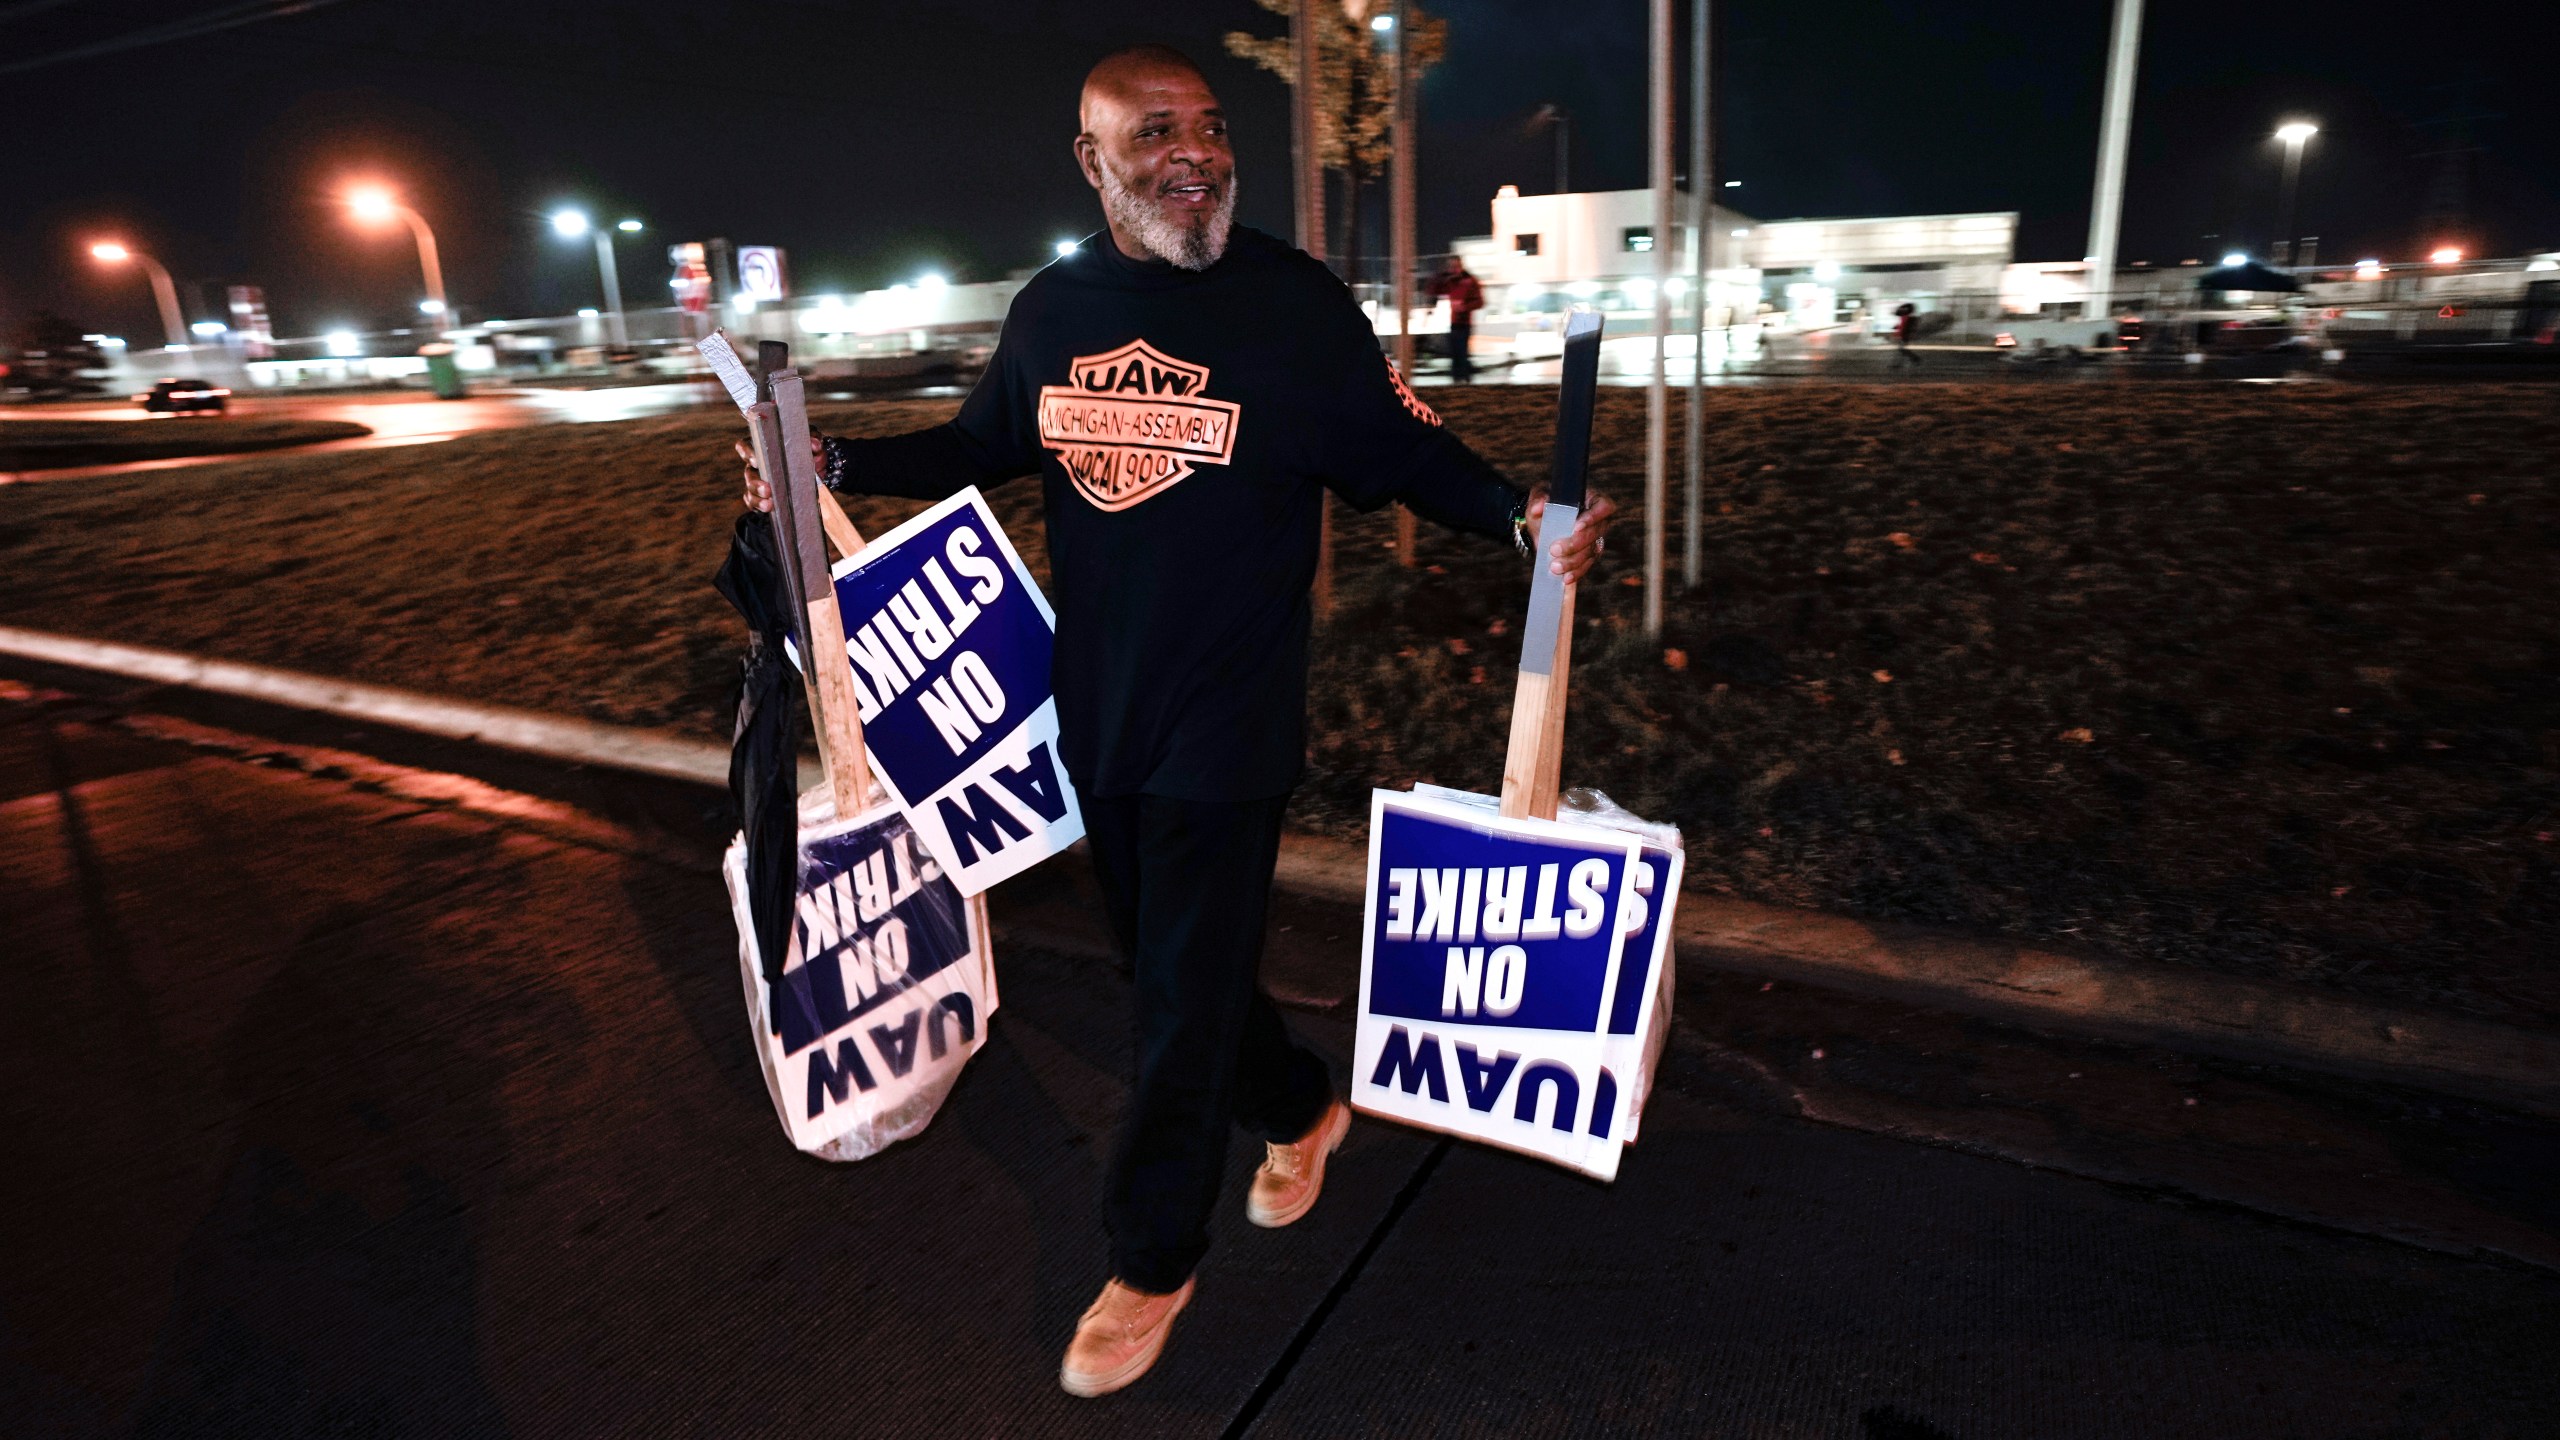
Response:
column 1572, row 556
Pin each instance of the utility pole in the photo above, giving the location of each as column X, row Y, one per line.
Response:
column 1401, row 248
column 2294, row 135
column 1310, row 218
column 1657, row 456
column 1702, row 233
column 2106, row 211
column 1302, row 129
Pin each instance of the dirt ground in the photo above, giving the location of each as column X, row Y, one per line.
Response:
column 48, row 444
column 2264, row 680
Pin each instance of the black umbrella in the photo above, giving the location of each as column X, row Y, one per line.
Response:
column 2247, row 275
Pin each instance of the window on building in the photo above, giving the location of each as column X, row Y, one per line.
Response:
column 1525, row 244
column 1638, row 237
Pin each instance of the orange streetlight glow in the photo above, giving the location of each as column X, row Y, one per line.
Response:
column 2447, row 255
column 373, row 204
column 163, row 289
column 376, row 205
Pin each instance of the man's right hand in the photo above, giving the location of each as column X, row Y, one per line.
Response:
column 759, row 495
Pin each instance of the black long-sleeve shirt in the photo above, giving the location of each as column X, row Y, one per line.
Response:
column 1184, row 425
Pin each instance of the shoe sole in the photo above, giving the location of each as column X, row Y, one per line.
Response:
column 1276, row 1219
column 1090, row 1387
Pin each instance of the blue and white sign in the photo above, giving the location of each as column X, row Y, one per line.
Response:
column 1640, row 996
column 950, row 642
column 1490, row 978
column 885, row 993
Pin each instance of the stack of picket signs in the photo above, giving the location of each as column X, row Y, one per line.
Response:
column 925, row 656
column 1515, row 966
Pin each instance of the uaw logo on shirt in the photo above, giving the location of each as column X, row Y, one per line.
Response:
column 1132, row 421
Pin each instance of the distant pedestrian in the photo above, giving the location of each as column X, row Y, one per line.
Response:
column 1906, row 322
column 1465, row 294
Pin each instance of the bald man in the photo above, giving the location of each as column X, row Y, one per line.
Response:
column 1187, row 389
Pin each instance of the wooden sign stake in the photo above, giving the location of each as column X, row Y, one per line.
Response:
column 797, row 515
column 1531, row 767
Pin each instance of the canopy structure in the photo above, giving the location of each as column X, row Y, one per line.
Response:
column 2248, row 275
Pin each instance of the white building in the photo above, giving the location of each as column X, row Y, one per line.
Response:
column 1598, row 248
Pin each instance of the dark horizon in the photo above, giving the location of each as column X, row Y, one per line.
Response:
column 219, row 154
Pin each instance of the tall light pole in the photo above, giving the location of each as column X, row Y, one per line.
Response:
column 1401, row 214
column 1702, row 231
column 1309, row 164
column 1657, row 450
column 374, row 205
column 1557, row 119
column 572, row 223
column 2293, row 133
column 163, row 289
column 1304, row 44
column 2106, row 211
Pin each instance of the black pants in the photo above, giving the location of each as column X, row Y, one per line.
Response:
column 1186, row 885
column 1462, row 360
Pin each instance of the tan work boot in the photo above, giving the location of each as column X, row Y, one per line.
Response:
column 1292, row 1176
column 1119, row 1339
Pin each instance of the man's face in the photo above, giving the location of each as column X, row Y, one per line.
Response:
column 1155, row 145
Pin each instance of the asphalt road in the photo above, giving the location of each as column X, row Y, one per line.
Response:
column 365, row 1084
column 394, row 417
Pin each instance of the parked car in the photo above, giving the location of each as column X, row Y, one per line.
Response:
column 184, row 397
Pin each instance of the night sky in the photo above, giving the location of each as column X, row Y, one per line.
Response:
column 875, row 141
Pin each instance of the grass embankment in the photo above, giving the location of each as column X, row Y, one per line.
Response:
column 58, row 444
column 2264, row 681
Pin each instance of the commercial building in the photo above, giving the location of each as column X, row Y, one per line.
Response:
column 1599, row 248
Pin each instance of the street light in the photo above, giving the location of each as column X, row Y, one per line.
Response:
column 163, row 288
column 2293, row 133
column 375, row 205
column 571, row 224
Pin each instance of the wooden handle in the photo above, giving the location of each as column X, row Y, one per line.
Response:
column 1535, row 759
column 1534, row 764
column 847, row 540
column 798, row 512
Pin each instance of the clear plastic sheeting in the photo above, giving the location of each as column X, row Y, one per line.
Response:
column 885, row 991
column 1514, row 973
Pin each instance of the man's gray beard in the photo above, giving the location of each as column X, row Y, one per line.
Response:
column 1192, row 247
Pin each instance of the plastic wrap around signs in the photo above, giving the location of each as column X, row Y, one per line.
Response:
column 1514, row 975
column 950, row 643
column 886, row 992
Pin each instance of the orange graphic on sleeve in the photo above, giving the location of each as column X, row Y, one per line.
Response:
column 1131, row 422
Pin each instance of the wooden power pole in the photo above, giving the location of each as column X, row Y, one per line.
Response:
column 1657, row 456
column 1401, row 248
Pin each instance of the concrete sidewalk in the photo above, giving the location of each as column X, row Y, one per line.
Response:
column 352, row 1095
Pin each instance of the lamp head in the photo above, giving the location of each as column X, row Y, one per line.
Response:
column 372, row 204
column 570, row 224
column 2294, row 132
column 110, row 251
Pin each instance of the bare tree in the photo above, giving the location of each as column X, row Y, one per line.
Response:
column 1355, row 101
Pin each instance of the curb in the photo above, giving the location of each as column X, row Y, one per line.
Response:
column 532, row 731
column 2114, row 998
column 2110, row 997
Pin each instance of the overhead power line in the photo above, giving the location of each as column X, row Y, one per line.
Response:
column 25, row 8
column 229, row 18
